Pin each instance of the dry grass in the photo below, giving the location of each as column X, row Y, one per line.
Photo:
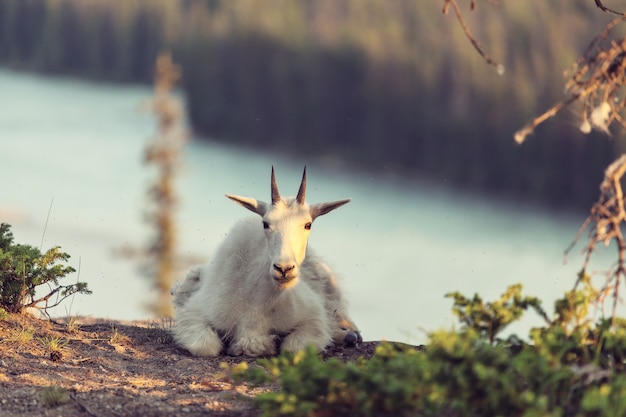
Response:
column 118, row 338
column 72, row 324
column 53, row 396
column 19, row 336
column 162, row 333
column 53, row 343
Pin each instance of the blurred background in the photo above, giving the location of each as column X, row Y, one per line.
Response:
column 385, row 102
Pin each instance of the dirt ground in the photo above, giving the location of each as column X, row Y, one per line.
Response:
column 111, row 368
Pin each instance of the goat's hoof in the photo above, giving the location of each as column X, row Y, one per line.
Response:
column 352, row 338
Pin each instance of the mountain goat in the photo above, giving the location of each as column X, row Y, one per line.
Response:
column 264, row 285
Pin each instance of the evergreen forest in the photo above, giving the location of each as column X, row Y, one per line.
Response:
column 378, row 85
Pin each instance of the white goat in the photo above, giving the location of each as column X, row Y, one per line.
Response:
column 264, row 285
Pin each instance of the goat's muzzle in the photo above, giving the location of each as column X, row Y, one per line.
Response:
column 284, row 274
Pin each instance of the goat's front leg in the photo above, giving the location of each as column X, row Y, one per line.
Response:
column 253, row 338
column 308, row 332
column 194, row 332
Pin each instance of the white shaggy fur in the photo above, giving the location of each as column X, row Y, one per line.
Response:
column 262, row 284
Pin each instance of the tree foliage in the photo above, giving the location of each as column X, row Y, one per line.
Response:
column 377, row 84
column 23, row 268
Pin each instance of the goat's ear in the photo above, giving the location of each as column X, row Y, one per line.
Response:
column 322, row 208
column 255, row 206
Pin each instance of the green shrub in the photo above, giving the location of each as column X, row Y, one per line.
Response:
column 457, row 375
column 23, row 268
column 489, row 319
column 571, row 368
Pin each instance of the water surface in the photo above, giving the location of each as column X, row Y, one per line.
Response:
column 398, row 247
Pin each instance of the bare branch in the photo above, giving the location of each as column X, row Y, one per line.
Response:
column 457, row 11
column 607, row 10
column 605, row 221
column 598, row 82
column 520, row 135
column 70, row 290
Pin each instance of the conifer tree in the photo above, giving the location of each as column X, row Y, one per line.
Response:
column 23, row 268
column 164, row 152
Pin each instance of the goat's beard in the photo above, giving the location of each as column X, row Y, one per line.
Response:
column 286, row 282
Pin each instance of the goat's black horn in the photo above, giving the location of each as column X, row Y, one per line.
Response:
column 275, row 193
column 302, row 189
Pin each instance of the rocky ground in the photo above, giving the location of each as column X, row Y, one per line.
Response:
column 111, row 368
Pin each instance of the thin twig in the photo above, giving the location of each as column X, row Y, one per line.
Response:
column 607, row 10
column 579, row 234
column 45, row 227
column 468, row 33
column 521, row 134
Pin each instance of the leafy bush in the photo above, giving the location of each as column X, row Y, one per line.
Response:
column 489, row 319
column 23, row 268
column 571, row 368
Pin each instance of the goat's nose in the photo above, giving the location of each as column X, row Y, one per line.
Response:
column 283, row 268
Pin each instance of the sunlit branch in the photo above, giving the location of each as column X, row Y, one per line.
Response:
column 597, row 82
column 605, row 223
column 521, row 134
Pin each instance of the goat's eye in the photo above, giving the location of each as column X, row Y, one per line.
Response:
column 266, row 225
column 307, row 226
